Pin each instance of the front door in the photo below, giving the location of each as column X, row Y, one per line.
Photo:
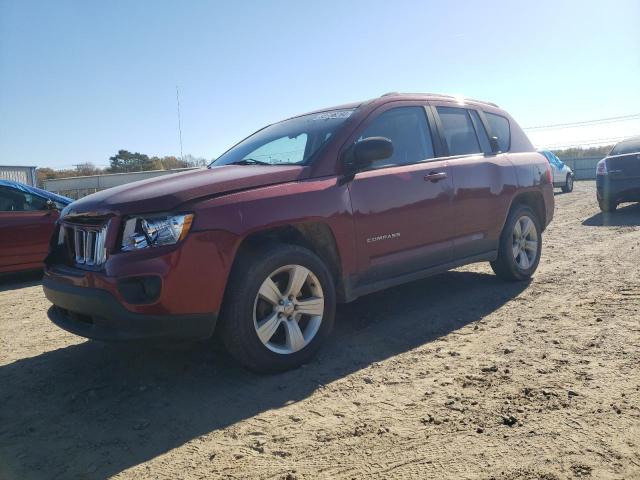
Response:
column 402, row 205
column 25, row 229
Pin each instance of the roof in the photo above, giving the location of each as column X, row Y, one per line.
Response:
column 401, row 95
column 438, row 96
column 346, row 106
column 631, row 139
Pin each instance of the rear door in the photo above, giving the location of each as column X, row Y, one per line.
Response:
column 402, row 205
column 25, row 229
column 483, row 182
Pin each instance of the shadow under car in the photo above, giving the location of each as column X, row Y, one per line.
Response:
column 93, row 410
column 625, row 216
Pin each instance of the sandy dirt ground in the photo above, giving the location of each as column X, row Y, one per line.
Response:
column 457, row 376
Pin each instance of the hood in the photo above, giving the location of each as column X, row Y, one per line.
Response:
column 168, row 192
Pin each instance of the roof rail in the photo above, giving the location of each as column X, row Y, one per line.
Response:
column 443, row 95
column 482, row 101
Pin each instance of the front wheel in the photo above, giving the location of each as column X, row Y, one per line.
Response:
column 568, row 185
column 278, row 309
column 520, row 245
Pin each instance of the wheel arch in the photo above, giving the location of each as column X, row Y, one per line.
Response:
column 534, row 200
column 314, row 236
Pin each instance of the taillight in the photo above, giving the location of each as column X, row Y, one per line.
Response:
column 601, row 169
column 549, row 174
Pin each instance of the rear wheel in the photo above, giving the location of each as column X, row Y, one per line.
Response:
column 520, row 245
column 568, row 186
column 607, row 205
column 279, row 308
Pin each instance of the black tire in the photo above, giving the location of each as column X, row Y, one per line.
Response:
column 506, row 266
column 568, row 186
column 237, row 321
column 607, row 206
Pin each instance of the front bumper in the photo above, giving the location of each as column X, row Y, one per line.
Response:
column 95, row 313
column 181, row 299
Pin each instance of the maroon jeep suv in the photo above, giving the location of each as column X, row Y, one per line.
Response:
column 317, row 209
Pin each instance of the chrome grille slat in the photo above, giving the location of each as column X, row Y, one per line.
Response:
column 79, row 245
column 89, row 248
column 86, row 243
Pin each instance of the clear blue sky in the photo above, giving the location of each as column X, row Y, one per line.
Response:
column 80, row 80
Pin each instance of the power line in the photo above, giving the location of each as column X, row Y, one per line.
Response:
column 620, row 118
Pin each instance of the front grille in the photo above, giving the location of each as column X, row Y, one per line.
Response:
column 85, row 244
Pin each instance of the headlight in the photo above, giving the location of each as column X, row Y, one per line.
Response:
column 155, row 231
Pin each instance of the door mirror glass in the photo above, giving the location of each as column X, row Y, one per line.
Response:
column 367, row 151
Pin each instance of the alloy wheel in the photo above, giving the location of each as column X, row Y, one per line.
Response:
column 288, row 309
column 525, row 242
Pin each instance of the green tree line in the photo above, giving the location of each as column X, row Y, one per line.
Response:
column 577, row 152
column 123, row 162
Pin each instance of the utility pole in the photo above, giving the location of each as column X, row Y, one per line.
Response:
column 179, row 122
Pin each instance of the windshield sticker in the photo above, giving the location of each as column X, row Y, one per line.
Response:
column 332, row 115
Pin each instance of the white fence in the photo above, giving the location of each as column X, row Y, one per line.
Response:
column 583, row 168
column 78, row 187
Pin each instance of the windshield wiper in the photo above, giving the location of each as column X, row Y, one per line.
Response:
column 249, row 161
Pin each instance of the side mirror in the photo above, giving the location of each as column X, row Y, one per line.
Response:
column 493, row 143
column 363, row 153
column 51, row 205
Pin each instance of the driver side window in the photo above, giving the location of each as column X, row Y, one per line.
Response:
column 408, row 130
column 12, row 200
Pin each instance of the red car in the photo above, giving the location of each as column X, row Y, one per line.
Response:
column 314, row 210
column 27, row 219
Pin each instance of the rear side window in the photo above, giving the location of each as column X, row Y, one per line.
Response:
column 408, row 130
column 458, row 131
column 500, row 128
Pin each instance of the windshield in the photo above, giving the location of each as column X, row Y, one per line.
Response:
column 290, row 142
column 627, row 146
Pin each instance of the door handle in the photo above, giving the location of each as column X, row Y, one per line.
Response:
column 435, row 176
